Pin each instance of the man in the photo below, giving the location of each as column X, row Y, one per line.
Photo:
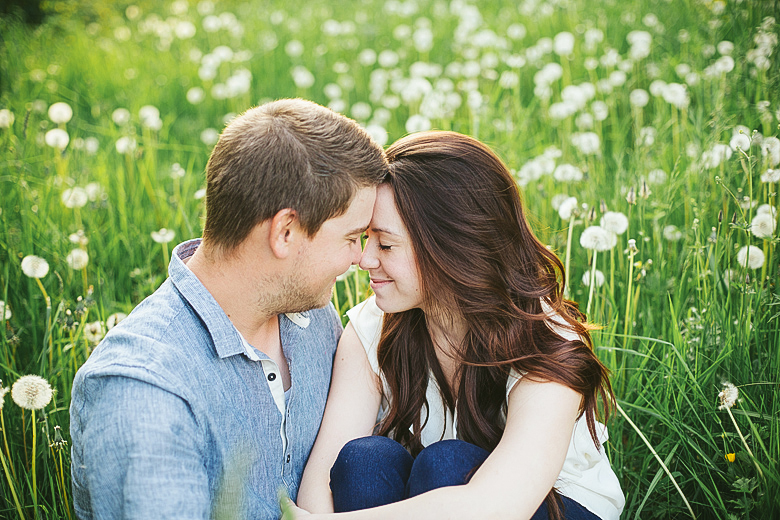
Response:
column 206, row 400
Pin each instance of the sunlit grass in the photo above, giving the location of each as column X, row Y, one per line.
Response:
column 667, row 113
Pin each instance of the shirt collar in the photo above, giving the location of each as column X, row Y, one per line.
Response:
column 227, row 340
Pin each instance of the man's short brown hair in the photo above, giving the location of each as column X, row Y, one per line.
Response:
column 289, row 153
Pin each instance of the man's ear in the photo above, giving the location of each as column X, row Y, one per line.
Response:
column 284, row 232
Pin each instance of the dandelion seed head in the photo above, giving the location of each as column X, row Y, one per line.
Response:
column 57, row 138
column 598, row 277
column 209, row 136
column 94, row 332
column 77, row 259
column 31, row 392
column 120, row 116
column 35, row 266
column 568, row 208
column 766, row 209
column 771, row 176
column 114, row 319
column 75, row 197
column 750, row 257
column 728, row 396
column 125, row 145
column 60, row 112
column 740, row 141
column 615, row 222
column 6, row 118
column 672, row 233
column 5, row 311
column 598, row 239
column 639, row 98
column 79, row 238
column 567, row 173
column 763, row 225
column 163, row 236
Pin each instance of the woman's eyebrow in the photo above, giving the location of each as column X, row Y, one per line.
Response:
column 386, row 231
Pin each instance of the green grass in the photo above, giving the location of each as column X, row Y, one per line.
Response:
column 680, row 317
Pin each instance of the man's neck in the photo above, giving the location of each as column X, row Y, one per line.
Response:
column 236, row 288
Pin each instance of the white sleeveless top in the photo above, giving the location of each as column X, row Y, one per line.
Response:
column 586, row 476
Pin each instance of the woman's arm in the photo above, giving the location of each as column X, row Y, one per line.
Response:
column 518, row 474
column 351, row 411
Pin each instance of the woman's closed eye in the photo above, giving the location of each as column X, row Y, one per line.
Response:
column 379, row 244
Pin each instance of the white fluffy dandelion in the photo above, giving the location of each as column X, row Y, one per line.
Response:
column 740, row 141
column 57, row 138
column 4, row 390
column 5, row 311
column 750, row 257
column 75, row 197
column 672, row 233
column 771, row 175
column 31, row 392
column 114, row 319
column 763, row 225
column 766, row 209
column 728, row 396
column 6, row 118
column 567, row 173
column 615, row 222
column 598, row 277
column 77, row 259
column 94, row 332
column 60, row 112
column 209, row 136
column 125, row 145
column 597, row 238
column 567, row 208
column 639, row 98
column 163, row 236
column 120, row 116
column 35, row 266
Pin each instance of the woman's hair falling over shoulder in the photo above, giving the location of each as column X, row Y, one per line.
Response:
column 476, row 252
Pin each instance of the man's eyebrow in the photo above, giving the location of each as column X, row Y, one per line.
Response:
column 386, row 231
column 357, row 231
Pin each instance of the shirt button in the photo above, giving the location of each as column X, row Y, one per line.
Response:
column 272, row 377
column 288, row 459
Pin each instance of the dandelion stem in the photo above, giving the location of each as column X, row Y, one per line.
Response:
column 628, row 292
column 655, row 454
column 744, row 442
column 34, row 477
column 566, row 287
column 11, row 484
column 5, row 441
column 591, row 281
column 62, row 484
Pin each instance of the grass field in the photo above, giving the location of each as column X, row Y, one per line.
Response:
column 644, row 135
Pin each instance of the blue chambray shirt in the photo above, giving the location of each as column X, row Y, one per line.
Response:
column 175, row 416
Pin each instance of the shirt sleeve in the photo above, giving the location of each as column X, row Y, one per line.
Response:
column 136, row 452
column 366, row 318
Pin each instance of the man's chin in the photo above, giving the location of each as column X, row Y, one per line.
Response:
column 303, row 305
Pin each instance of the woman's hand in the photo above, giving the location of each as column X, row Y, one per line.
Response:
column 289, row 510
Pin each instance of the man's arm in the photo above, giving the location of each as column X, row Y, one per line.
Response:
column 137, row 452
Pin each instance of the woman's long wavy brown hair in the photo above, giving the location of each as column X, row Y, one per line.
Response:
column 476, row 251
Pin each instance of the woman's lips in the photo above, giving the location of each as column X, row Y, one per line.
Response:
column 378, row 284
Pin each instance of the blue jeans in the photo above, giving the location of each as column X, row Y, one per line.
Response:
column 374, row 471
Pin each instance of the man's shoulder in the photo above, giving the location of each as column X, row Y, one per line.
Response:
column 157, row 335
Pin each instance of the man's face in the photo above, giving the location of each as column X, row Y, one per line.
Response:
column 330, row 252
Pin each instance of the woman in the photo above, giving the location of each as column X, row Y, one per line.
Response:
column 467, row 364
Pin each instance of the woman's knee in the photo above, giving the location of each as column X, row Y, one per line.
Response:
column 369, row 472
column 369, row 454
column 445, row 463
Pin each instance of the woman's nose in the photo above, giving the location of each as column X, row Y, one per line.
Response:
column 368, row 260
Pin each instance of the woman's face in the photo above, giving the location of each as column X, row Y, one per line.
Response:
column 388, row 257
